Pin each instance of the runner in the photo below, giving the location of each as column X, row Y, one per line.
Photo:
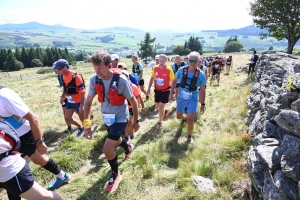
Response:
column 137, row 70
column 152, row 64
column 74, row 92
column 253, row 59
column 223, row 59
column 191, row 79
column 114, row 60
column 15, row 172
column 177, row 64
column 112, row 89
column 63, row 105
column 216, row 69
column 131, row 76
column 203, row 66
column 26, row 123
column 136, row 93
column 229, row 63
column 162, row 75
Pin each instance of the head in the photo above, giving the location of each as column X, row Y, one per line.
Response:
column 125, row 72
column 135, row 59
column 114, row 60
column 194, row 59
column 61, row 66
column 157, row 59
column 218, row 58
column 122, row 66
column 254, row 52
column 101, row 60
column 162, row 60
column 177, row 59
column 186, row 59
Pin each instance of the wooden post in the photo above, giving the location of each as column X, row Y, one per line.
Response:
column 8, row 74
column 21, row 76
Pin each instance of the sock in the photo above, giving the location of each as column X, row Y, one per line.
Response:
column 52, row 167
column 61, row 174
column 189, row 136
column 132, row 137
column 70, row 128
column 126, row 138
column 114, row 165
column 125, row 145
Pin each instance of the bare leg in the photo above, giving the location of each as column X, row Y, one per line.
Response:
column 69, row 119
column 36, row 192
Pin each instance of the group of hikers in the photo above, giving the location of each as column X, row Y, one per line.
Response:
column 120, row 93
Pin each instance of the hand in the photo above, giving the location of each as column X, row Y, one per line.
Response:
column 135, row 127
column 202, row 109
column 148, row 93
column 42, row 148
column 143, row 111
column 171, row 97
column 81, row 108
column 88, row 133
column 62, row 100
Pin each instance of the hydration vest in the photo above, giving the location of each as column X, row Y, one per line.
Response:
column 193, row 85
column 176, row 67
column 115, row 99
column 10, row 135
column 228, row 62
column 255, row 59
column 71, row 88
column 136, row 69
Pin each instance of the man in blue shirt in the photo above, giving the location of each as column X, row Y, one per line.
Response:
column 190, row 79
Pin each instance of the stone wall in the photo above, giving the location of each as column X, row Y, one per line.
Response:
column 274, row 121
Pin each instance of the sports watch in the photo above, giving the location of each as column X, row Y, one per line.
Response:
column 39, row 141
column 136, row 121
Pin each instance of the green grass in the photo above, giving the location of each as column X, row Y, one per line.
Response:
column 162, row 163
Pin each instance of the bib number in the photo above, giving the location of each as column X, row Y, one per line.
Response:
column 15, row 121
column 217, row 66
column 70, row 99
column 186, row 95
column 109, row 119
column 159, row 81
column 228, row 63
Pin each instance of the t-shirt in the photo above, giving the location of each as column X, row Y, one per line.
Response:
column 10, row 165
column 136, row 92
column 204, row 68
column 152, row 65
column 216, row 65
column 13, row 109
column 67, row 78
column 184, row 93
column 140, row 67
column 253, row 58
column 121, row 112
column 133, row 80
column 162, row 77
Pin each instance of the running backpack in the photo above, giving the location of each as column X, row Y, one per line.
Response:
column 255, row 59
column 10, row 135
column 193, row 85
column 71, row 88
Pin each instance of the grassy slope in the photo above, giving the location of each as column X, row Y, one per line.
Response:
column 162, row 162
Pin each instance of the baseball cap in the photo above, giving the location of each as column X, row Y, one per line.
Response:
column 156, row 57
column 60, row 64
column 125, row 72
column 122, row 66
column 114, row 57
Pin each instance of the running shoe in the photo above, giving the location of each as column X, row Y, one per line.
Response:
column 158, row 125
column 191, row 140
column 129, row 152
column 58, row 182
column 166, row 114
column 113, row 182
column 79, row 132
column 147, row 98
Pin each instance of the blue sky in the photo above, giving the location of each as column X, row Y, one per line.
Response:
column 141, row 14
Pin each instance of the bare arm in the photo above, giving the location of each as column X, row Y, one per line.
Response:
column 134, row 105
column 172, row 88
column 87, row 116
column 141, row 75
column 150, row 84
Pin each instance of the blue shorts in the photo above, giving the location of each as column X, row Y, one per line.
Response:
column 73, row 106
column 116, row 130
column 186, row 106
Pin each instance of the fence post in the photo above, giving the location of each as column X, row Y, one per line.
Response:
column 8, row 74
column 21, row 76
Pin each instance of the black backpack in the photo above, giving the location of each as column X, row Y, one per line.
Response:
column 255, row 59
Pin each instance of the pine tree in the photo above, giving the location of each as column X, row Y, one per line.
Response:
column 17, row 54
column 2, row 58
column 146, row 46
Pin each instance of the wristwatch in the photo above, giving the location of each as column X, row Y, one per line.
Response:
column 39, row 141
column 136, row 121
column 202, row 104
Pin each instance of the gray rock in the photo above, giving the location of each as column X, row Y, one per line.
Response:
column 296, row 80
column 270, row 192
column 204, row 184
column 269, row 130
column 289, row 120
column 244, row 189
column 267, row 157
column 281, row 133
column 290, row 159
column 296, row 105
column 286, row 185
column 255, row 170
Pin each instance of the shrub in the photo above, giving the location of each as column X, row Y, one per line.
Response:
column 45, row 70
column 36, row 63
column 13, row 65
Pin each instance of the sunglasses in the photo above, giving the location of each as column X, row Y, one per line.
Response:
column 193, row 61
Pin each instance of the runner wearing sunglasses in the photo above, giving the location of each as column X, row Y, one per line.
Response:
column 190, row 80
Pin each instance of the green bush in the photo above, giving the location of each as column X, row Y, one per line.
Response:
column 13, row 65
column 36, row 63
column 45, row 70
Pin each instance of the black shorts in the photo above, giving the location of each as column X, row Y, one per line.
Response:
column 141, row 82
column 161, row 97
column 130, row 111
column 65, row 103
column 177, row 85
column 116, row 130
column 215, row 71
column 19, row 184
column 28, row 145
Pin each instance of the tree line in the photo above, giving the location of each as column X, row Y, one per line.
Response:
column 35, row 57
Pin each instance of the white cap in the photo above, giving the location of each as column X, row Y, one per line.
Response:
column 114, row 57
column 156, row 57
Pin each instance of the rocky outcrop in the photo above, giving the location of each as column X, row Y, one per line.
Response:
column 274, row 121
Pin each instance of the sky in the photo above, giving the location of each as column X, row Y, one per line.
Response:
column 147, row 15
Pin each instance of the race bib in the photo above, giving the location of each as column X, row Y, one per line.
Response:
column 228, row 63
column 15, row 121
column 186, row 95
column 109, row 119
column 70, row 99
column 159, row 81
column 217, row 66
